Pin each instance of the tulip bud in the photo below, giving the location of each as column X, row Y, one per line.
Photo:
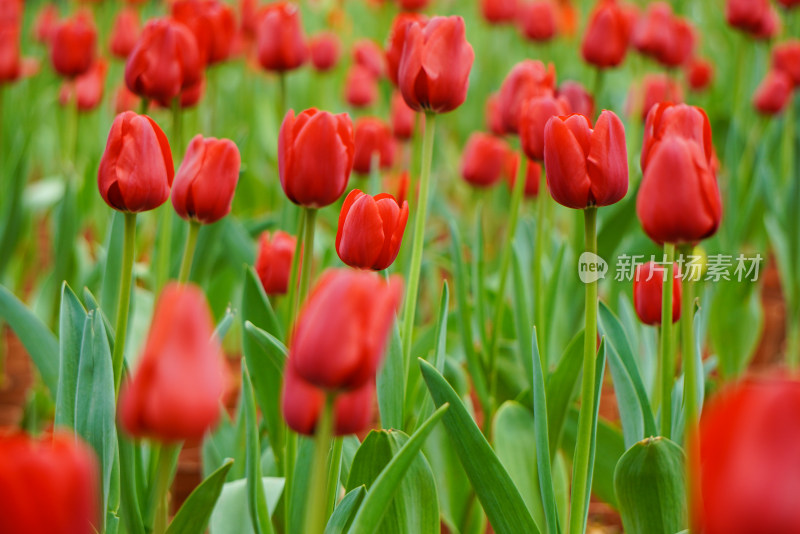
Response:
column 586, row 167
column 125, row 32
column 45, row 23
column 537, row 20
column 361, row 87
column 403, row 118
column 689, row 122
column 174, row 394
column 325, row 49
column 136, row 168
column 10, row 62
column 434, row 68
column 786, row 58
column 699, row 74
column 747, row 15
column 341, row 332
column 373, row 138
column 274, row 261
column 72, row 45
column 528, row 79
column 213, row 25
column 370, row 56
column 661, row 35
column 578, row 99
column 370, row 230
column 789, row 4
column 535, row 114
column 281, row 43
column 315, row 156
column 87, row 88
column 648, row 285
column 397, row 40
column 606, row 40
column 486, row 159
column 499, row 11
column 773, row 94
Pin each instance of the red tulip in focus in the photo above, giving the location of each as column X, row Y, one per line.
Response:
column 786, row 58
column 663, row 36
column 537, row 20
column 370, row 56
column 773, row 93
column 125, row 32
column 274, row 261
column 325, row 49
column 528, row 79
column 72, row 45
column 88, row 88
column 605, row 42
column 48, row 485
column 373, row 138
column 699, row 74
column 213, row 25
column 535, row 114
column 164, row 62
column 413, row 5
column 434, row 68
column 370, row 230
column 397, row 40
column 281, row 43
column 174, row 394
column 681, row 120
column 586, row 167
column 136, row 168
column 747, row 474
column 578, row 99
column 486, row 158
column 403, row 118
column 315, row 156
column 648, row 285
column 494, row 115
column 499, row 11
column 341, row 332
column 206, row 180
column 533, row 177
column 45, row 23
column 360, row 87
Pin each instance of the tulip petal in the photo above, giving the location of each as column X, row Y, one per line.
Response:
column 565, row 164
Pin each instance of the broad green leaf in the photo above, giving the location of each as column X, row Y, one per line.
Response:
column 345, row 511
column 256, row 499
column 390, row 383
column 256, row 306
column 542, row 442
column 561, row 388
column 71, row 323
column 130, row 512
column 496, row 491
column 735, row 335
column 193, row 516
column 300, row 484
column 231, row 516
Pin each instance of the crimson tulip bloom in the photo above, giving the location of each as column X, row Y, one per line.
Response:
column 533, row 119
column 586, row 167
column 699, row 74
column 164, row 62
column 281, row 42
column 413, row 5
column 773, row 94
column 786, row 58
column 45, row 23
column 648, row 285
column 213, row 25
column 10, row 63
column 72, row 45
column 533, row 177
column 88, row 88
column 747, row 471
column 315, row 156
column 274, row 261
column 125, row 32
column 136, row 168
column 370, row 230
column 397, row 40
column 486, row 159
column 370, row 56
column 789, row 4
column 537, row 20
column 607, row 34
column 770, row 26
column 403, row 118
column 578, row 99
column 666, row 120
column 174, row 394
column 747, row 15
column 57, row 471
column 435, row 65
column 373, row 137
column 360, row 87
column 341, row 332
column 499, row 11
column 325, row 50
column 206, row 180
column 528, row 79
column 668, row 39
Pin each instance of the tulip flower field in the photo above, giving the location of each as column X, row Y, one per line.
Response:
column 399, row 266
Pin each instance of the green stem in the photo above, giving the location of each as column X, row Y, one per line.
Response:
column 665, row 351
column 690, row 378
column 787, row 162
column 375, row 173
column 793, row 341
column 308, row 252
column 295, row 273
column 123, row 298
column 597, row 88
column 316, row 506
column 188, row 252
column 289, row 460
column 281, row 103
column 143, row 103
column 177, row 130
column 410, row 306
column 333, row 475
column 164, row 247
column 580, row 466
column 164, row 473
column 538, row 274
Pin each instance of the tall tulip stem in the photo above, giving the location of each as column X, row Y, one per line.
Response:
column 167, row 459
column 317, row 505
column 308, row 251
column 188, row 252
column 581, row 469
column 690, row 380
column 538, row 274
column 665, row 348
column 294, row 275
column 123, row 298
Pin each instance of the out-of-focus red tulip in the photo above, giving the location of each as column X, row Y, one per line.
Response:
column 666, row 120
column 747, row 15
column 206, row 180
column 662, row 35
column 494, row 115
column 396, row 41
column 59, row 470
column 325, row 49
column 88, row 88
column 125, row 100
column 399, row 184
column 435, row 65
column 341, row 332
column 770, row 26
column 10, row 61
column 786, row 57
column 586, row 167
column 773, row 93
column 528, row 79
column 413, row 5
column 175, row 392
column 533, row 176
column 360, row 87
column 45, row 23
column 373, row 138
column 567, row 18
column 499, row 11
column 213, row 25
column 533, row 118
column 537, row 20
column 248, row 18
column 72, row 45
column 164, row 61
column 281, row 42
column 136, row 169
column 648, row 285
column 274, row 261
column 125, row 32
column 370, row 56
column 654, row 89
column 301, row 405
column 789, row 4
column 370, row 230
column 679, row 200
column 605, row 42
column 578, row 99
column 315, row 156
column 747, row 472
column 486, row 158
column 699, row 74
column 403, row 118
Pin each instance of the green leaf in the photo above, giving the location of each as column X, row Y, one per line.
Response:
column 381, row 493
column 231, row 516
column 256, row 306
column 71, row 323
column 113, row 264
column 600, row 367
column 735, row 335
column 193, row 516
column 390, row 383
column 256, row 499
column 521, row 314
column 300, row 484
column 440, row 350
column 496, row 491
column 224, row 324
column 345, row 511
column 561, row 388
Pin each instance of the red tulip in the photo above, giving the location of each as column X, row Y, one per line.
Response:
column 667, row 120
column 578, row 99
column 248, row 18
column 494, row 115
column 370, row 56
column 164, row 62
column 361, row 87
column 679, row 201
column 373, row 138
column 658, row 33
column 567, row 18
column 499, row 11
column 747, row 472
column 655, row 88
column 397, row 40
column 10, row 62
column 786, row 58
column 486, row 158
column 48, row 485
column 341, row 332
column 175, row 392
column 136, row 168
column 532, row 177
column 45, row 23
column 413, row 5
column 648, row 286
column 403, row 118
column 605, row 42
column 281, row 43
column 88, row 87
column 274, row 261
column 370, row 230
column 533, row 118
column 72, row 45
column 315, row 156
column 301, row 405
column 586, row 167
column 699, row 74
column 125, row 32
column 399, row 183
column 435, row 65
column 747, row 15
column 537, row 20
column 773, row 93
column 206, row 180
column 325, row 50
column 213, row 25
column 528, row 79
column 770, row 26
column 789, row 4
